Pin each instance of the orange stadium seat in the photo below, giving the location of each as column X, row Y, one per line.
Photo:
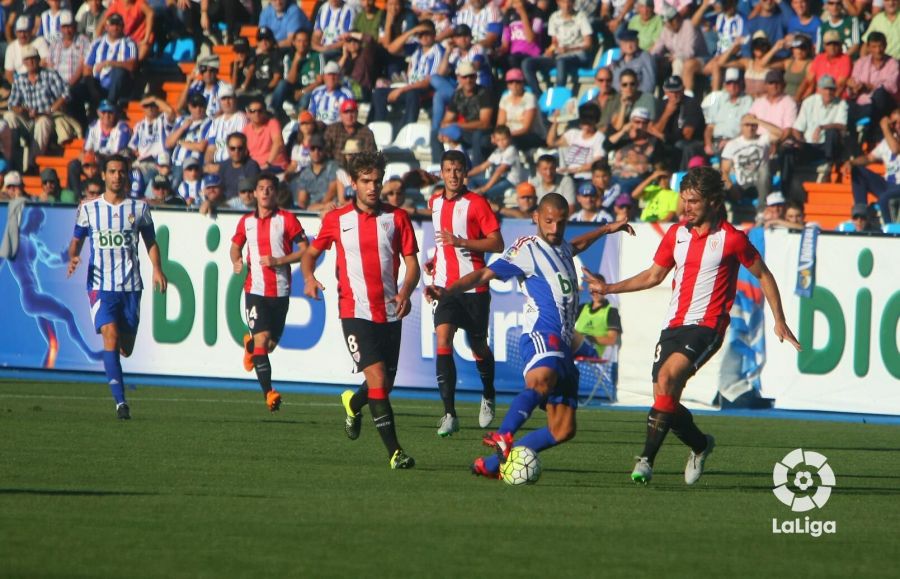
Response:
column 32, row 185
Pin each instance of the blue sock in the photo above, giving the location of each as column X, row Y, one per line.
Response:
column 113, row 366
column 538, row 440
column 520, row 410
column 492, row 463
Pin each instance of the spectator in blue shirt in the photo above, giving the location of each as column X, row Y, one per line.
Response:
column 284, row 18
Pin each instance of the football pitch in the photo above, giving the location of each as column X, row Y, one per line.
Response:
column 207, row 483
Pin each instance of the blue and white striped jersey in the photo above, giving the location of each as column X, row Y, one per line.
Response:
column 50, row 29
column 551, row 284
column 213, row 104
column 198, row 131
column 334, row 21
column 425, row 63
column 222, row 126
column 325, row 105
column 149, row 137
column 103, row 49
column 728, row 30
column 191, row 191
column 479, row 20
column 107, row 143
column 114, row 232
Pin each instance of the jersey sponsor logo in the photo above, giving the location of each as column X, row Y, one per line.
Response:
column 109, row 239
column 566, row 285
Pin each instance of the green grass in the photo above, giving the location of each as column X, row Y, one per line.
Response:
column 206, row 483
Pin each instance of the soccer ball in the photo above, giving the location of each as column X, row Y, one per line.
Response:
column 522, row 467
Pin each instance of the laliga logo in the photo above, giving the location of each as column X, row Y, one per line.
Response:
column 805, row 466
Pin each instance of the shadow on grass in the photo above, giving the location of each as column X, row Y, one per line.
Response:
column 73, row 492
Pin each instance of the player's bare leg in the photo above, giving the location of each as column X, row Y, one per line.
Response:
column 112, row 364
column 446, row 378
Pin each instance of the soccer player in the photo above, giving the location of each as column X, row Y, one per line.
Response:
column 371, row 238
column 270, row 234
column 114, row 225
column 706, row 252
column 464, row 229
column 545, row 263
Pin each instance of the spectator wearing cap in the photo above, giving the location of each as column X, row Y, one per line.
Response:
column 836, row 18
column 472, row 111
column 90, row 171
column 589, row 210
column 205, row 80
column 755, row 67
column 229, row 120
column 623, row 208
column 793, row 218
column 50, row 189
column 191, row 186
column 775, row 112
column 325, row 101
column 862, row 220
column 238, row 165
column 774, row 208
column 524, row 29
column 213, row 197
column 796, row 67
column 190, row 136
column 161, row 193
column 241, row 64
column 68, row 50
column 745, row 162
column 887, row 22
column 244, row 200
column 483, row 18
column 865, row 181
column 679, row 125
column 297, row 140
column 36, row 107
column 137, row 23
column 833, row 62
column 617, row 110
column 12, row 186
column 504, row 165
column 636, row 60
column 333, row 22
column 264, row 140
column 283, row 18
column 579, row 147
column 681, row 43
column 264, row 71
column 303, row 73
column 770, row 16
column 526, row 203
column 646, row 23
column 13, row 63
column 106, row 136
column 636, row 149
column 518, row 111
column 423, row 65
column 817, row 134
column 723, row 117
column 873, row 87
column 148, row 141
column 357, row 64
column 162, row 167
column 443, row 80
column 311, row 185
column 451, row 138
column 660, row 201
column 570, row 42
column 108, row 68
column 349, row 127
column 547, row 179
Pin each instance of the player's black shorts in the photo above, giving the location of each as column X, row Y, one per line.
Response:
column 471, row 312
column 266, row 314
column 698, row 343
column 371, row 342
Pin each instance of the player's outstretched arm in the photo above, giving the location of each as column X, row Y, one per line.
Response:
column 770, row 289
column 650, row 277
column 308, row 267
column 462, row 285
column 585, row 240
column 410, row 281
column 74, row 255
column 160, row 282
column 493, row 243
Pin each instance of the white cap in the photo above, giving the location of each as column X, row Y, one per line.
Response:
column 65, row 18
column 732, row 75
column 640, row 113
column 332, row 68
column 22, row 23
column 776, row 198
column 12, row 178
column 163, row 159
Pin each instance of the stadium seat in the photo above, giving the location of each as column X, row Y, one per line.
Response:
column 412, row 136
column 588, row 95
column 675, row 182
column 603, row 60
column 396, row 170
column 384, row 133
column 846, row 227
column 892, row 228
column 180, row 50
column 554, row 99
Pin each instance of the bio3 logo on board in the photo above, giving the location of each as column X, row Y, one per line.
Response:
column 853, row 320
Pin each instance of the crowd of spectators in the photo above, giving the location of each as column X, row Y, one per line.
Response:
column 772, row 92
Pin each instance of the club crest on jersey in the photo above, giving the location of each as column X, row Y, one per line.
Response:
column 713, row 243
column 131, row 219
column 511, row 253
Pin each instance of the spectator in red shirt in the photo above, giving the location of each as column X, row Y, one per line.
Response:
column 264, row 140
column 833, row 62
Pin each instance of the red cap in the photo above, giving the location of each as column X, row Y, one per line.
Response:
column 349, row 105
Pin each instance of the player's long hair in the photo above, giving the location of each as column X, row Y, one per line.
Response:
column 707, row 182
column 366, row 162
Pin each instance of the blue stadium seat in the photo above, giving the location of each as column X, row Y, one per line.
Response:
column 554, row 99
column 675, row 183
column 892, row 228
column 610, row 56
column 180, row 50
column 846, row 227
column 588, row 95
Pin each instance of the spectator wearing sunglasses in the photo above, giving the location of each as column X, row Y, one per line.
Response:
column 205, row 80
column 311, row 185
column 237, row 166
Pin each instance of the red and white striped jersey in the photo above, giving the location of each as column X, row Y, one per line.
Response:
column 274, row 235
column 468, row 216
column 369, row 247
column 706, row 270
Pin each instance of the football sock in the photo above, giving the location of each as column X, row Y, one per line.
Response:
column 112, row 364
column 486, row 371
column 520, row 410
column 360, row 398
column 538, row 440
column 383, row 416
column 492, row 463
column 263, row 368
column 687, row 432
column 659, row 421
column 446, row 379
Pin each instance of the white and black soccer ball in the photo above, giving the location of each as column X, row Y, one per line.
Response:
column 523, row 467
